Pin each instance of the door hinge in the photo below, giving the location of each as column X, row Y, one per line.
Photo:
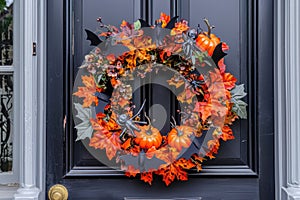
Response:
column 34, row 48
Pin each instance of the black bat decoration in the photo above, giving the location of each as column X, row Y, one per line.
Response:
column 218, row 54
column 172, row 22
column 194, row 148
column 144, row 23
column 141, row 162
column 93, row 38
column 158, row 34
column 170, row 25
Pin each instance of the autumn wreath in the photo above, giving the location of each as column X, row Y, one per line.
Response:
column 107, row 118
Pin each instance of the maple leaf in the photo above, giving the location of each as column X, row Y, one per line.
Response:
column 87, row 92
column 175, row 170
column 213, row 145
column 147, row 177
column 186, row 96
column 167, row 153
column 98, row 126
column 168, row 173
column 181, row 174
column 229, row 81
column 227, row 133
column 218, row 111
column 113, row 146
column 231, row 116
column 204, row 109
column 110, row 142
column 84, row 129
column 184, row 163
column 131, row 171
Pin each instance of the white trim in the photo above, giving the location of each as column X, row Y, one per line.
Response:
column 287, row 94
column 7, row 192
column 32, row 76
column 41, row 139
column 8, row 68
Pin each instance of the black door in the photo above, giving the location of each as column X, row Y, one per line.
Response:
column 244, row 167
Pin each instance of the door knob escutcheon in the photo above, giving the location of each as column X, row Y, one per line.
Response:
column 58, row 192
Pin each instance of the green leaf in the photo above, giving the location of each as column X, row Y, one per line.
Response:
column 84, row 129
column 137, row 25
column 239, row 107
column 238, row 91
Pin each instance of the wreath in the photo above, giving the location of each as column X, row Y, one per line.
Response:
column 107, row 118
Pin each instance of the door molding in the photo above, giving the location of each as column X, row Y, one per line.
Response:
column 287, row 108
column 32, row 81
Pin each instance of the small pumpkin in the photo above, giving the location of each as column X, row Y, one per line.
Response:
column 148, row 136
column 180, row 136
column 207, row 41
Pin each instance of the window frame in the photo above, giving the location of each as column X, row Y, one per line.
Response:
column 12, row 178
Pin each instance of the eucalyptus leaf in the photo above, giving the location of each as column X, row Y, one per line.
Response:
column 239, row 106
column 84, row 129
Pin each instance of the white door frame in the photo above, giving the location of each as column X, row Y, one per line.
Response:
column 287, row 99
column 32, row 83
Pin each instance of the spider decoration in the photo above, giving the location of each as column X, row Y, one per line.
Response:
column 128, row 124
column 196, row 84
column 188, row 44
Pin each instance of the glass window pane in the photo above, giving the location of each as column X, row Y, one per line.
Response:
column 6, row 32
column 6, row 118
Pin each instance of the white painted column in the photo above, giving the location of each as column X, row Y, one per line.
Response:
column 31, row 75
column 287, row 99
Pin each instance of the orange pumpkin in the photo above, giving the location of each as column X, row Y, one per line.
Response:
column 179, row 136
column 207, row 41
column 148, row 137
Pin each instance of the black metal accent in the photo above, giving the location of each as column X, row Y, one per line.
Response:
column 6, row 39
column 34, row 48
column 6, row 106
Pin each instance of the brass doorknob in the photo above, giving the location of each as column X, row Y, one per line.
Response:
column 58, row 192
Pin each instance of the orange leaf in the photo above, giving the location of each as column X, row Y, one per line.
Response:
column 127, row 144
column 227, row 133
column 164, row 19
column 204, row 109
column 87, row 92
column 184, row 163
column 186, row 96
column 180, row 27
column 131, row 171
column 168, row 173
column 110, row 143
column 147, row 177
column 96, row 126
column 229, row 81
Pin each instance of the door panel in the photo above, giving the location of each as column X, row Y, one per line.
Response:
column 230, row 19
column 235, row 173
